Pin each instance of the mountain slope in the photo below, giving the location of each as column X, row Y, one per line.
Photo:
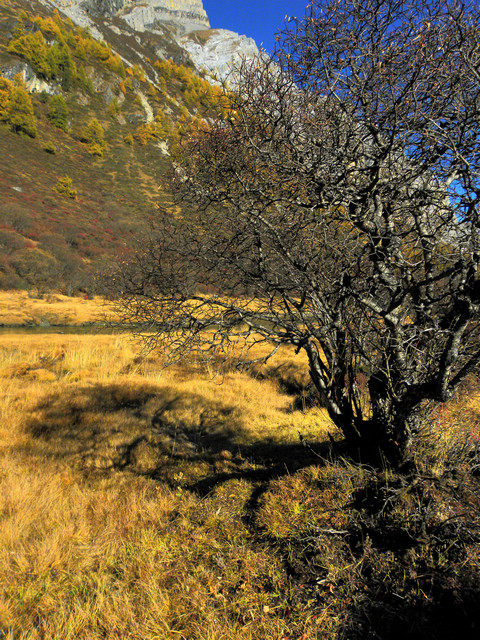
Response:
column 86, row 125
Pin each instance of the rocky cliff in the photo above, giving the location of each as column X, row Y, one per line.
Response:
column 184, row 21
column 218, row 51
column 145, row 15
column 182, row 15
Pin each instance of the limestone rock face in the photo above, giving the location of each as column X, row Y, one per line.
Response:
column 219, row 51
column 185, row 21
column 144, row 15
column 184, row 15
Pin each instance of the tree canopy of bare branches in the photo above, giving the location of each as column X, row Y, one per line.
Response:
column 336, row 209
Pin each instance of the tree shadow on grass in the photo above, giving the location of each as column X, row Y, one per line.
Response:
column 157, row 432
column 193, row 443
column 291, row 380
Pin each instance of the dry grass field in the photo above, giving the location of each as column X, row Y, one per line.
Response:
column 146, row 504
column 18, row 309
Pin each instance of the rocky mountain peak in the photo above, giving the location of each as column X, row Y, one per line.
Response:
column 184, row 21
column 218, row 51
column 142, row 15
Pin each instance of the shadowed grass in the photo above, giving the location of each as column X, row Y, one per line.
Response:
column 136, row 503
column 100, row 535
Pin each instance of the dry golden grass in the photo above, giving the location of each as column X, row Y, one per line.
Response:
column 140, row 503
column 101, row 536
column 17, row 309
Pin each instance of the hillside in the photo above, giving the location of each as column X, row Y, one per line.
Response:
column 88, row 117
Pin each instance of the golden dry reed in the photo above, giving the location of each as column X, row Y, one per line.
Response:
column 105, row 530
column 147, row 504
column 17, row 308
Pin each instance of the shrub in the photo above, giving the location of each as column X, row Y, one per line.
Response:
column 15, row 216
column 10, row 241
column 35, row 267
column 93, row 135
column 65, row 187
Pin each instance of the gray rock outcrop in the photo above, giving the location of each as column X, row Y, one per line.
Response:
column 218, row 51
column 182, row 15
column 185, row 21
column 142, row 15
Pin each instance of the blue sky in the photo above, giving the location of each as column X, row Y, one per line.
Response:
column 259, row 19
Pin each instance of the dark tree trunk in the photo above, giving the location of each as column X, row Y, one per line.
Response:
column 389, row 430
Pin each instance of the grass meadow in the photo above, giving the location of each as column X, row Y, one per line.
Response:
column 18, row 309
column 155, row 504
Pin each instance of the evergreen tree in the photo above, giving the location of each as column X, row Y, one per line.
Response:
column 58, row 112
column 19, row 29
column 6, row 89
column 84, row 81
column 93, row 135
column 68, row 68
column 65, row 187
column 20, row 113
column 33, row 48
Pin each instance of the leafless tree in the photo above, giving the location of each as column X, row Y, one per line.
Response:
column 336, row 209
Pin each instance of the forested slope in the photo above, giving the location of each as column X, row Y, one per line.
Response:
column 87, row 129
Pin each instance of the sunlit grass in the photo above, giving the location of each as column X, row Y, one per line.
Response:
column 141, row 502
column 18, row 308
column 93, row 544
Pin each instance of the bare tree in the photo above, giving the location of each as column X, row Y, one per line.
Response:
column 336, row 209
